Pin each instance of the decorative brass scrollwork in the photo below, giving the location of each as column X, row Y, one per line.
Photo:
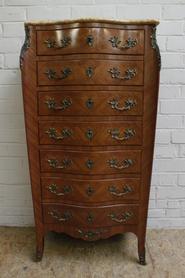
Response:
column 128, row 133
column 65, row 103
column 65, row 133
column 124, row 217
column 155, row 46
column 51, row 74
column 54, row 163
column 26, row 45
column 50, row 43
column 128, row 105
column 129, row 43
column 129, row 74
column 66, row 216
column 54, row 189
column 114, row 191
column 114, row 163
column 90, row 235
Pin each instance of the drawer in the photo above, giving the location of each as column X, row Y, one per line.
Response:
column 90, row 216
column 90, row 103
column 90, row 40
column 90, row 72
column 90, row 133
column 91, row 162
column 55, row 189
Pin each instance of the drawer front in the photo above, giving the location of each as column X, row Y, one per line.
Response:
column 55, row 189
column 91, row 133
column 90, row 103
column 90, row 40
column 90, row 72
column 90, row 216
column 92, row 162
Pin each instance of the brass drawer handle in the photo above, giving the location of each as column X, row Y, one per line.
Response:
column 53, row 44
column 51, row 74
column 54, row 189
column 54, row 163
column 128, row 105
column 65, row 103
column 129, row 43
column 124, row 217
column 65, row 133
column 90, row 235
column 114, row 163
column 129, row 74
column 128, row 133
column 66, row 216
column 114, row 191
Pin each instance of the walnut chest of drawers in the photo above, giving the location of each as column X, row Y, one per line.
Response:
column 90, row 92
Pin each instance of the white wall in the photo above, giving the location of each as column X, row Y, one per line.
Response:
column 167, row 199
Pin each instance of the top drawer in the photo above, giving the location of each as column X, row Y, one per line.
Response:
column 90, row 40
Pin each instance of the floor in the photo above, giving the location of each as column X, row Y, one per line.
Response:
column 116, row 257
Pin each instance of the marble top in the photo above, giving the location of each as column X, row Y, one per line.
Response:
column 95, row 20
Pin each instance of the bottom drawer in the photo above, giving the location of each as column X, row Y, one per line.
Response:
column 90, row 233
column 101, row 216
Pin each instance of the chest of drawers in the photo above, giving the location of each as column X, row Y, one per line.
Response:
column 90, row 92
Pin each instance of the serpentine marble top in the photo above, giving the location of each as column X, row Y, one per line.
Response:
column 95, row 20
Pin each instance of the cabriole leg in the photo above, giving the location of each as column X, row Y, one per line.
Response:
column 141, row 251
column 39, row 247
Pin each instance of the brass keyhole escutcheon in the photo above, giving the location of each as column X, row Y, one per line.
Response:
column 90, row 40
column 89, row 72
column 90, row 190
column 89, row 103
column 90, row 218
column 89, row 134
column 89, row 163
